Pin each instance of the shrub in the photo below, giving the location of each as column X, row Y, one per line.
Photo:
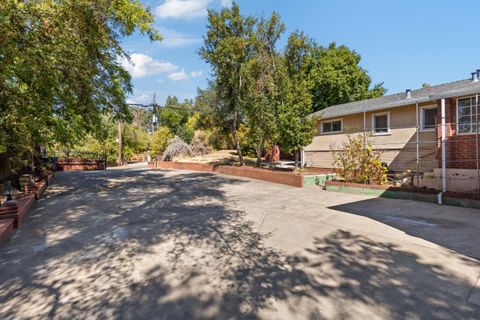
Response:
column 357, row 162
column 160, row 139
column 176, row 148
column 199, row 148
column 200, row 143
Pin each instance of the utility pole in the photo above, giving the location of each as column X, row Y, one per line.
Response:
column 120, row 146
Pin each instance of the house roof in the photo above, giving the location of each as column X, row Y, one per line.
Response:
column 452, row 89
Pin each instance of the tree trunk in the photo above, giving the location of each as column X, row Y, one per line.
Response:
column 4, row 167
column 237, row 143
column 259, row 156
column 37, row 159
column 296, row 159
column 234, row 126
column 260, row 152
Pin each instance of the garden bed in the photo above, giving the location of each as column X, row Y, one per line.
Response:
column 403, row 192
column 287, row 178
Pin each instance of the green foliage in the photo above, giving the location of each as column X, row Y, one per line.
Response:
column 264, row 77
column 227, row 48
column 357, row 162
column 135, row 137
column 211, row 118
column 60, row 69
column 336, row 77
column 175, row 114
column 160, row 139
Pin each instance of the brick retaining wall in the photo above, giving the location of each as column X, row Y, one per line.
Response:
column 11, row 217
column 78, row 164
column 286, row 178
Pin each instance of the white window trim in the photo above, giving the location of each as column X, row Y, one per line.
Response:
column 422, row 109
column 458, row 122
column 389, row 132
column 331, row 132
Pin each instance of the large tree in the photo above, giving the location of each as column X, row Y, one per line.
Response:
column 227, row 48
column 337, row 77
column 264, row 76
column 60, row 69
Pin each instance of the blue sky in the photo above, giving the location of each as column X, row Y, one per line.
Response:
column 402, row 43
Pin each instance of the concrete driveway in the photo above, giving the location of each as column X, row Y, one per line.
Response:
column 145, row 244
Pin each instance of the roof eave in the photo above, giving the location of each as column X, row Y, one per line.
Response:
column 406, row 102
column 397, row 104
column 456, row 93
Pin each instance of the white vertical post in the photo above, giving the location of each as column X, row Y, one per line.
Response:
column 418, row 142
column 476, row 143
column 302, row 158
column 444, row 151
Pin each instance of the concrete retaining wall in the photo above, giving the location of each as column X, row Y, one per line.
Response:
column 399, row 193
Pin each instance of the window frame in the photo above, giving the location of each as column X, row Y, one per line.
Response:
column 331, row 121
column 471, row 123
column 389, row 132
column 422, row 118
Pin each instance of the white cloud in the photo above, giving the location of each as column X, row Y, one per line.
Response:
column 226, row 3
column 178, row 76
column 195, row 74
column 186, row 9
column 140, row 99
column 142, row 65
column 175, row 39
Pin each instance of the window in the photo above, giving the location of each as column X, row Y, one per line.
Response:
column 428, row 118
column 381, row 123
column 466, row 115
column 332, row 126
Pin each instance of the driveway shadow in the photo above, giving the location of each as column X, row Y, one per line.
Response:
column 450, row 227
column 162, row 245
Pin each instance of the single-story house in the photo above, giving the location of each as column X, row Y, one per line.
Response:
column 431, row 131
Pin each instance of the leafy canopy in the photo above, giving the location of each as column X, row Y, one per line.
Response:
column 60, row 69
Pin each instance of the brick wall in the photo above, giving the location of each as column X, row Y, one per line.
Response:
column 78, row 164
column 287, row 178
column 461, row 150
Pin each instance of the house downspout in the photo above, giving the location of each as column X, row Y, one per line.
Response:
column 418, row 145
column 444, row 154
column 476, row 136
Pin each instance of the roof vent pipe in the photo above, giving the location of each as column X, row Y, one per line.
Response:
column 475, row 76
column 408, row 94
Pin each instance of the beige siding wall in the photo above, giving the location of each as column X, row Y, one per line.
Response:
column 398, row 147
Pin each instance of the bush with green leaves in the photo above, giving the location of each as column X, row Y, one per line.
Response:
column 357, row 162
column 160, row 139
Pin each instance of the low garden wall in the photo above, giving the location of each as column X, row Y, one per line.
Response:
column 425, row 195
column 11, row 217
column 79, row 164
column 287, row 178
